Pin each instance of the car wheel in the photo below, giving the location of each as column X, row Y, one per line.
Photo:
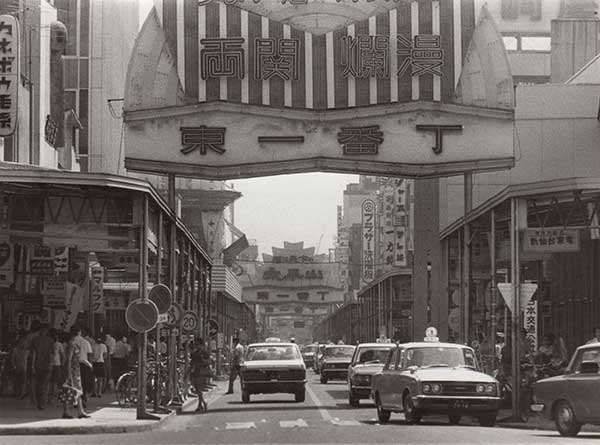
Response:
column 566, row 423
column 454, row 419
column 382, row 414
column 488, row 420
column 323, row 379
column 300, row 396
column 411, row 414
column 352, row 399
column 245, row 396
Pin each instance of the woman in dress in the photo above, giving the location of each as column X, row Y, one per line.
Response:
column 200, row 372
column 73, row 376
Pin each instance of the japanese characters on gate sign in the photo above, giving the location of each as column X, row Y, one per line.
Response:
column 9, row 73
column 368, row 240
column 551, row 240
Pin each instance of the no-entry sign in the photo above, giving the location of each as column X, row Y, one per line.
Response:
column 141, row 315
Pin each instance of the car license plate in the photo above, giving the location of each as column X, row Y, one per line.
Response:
column 461, row 404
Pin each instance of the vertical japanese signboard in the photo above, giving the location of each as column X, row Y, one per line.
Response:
column 531, row 317
column 97, row 289
column 368, row 240
column 9, row 73
column 388, row 230
column 400, row 223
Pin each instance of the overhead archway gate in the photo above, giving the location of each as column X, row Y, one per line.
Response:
column 411, row 89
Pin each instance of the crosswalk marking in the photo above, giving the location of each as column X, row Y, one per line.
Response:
column 240, row 425
column 292, row 423
column 339, row 422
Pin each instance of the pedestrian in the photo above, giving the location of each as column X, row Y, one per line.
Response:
column 235, row 363
column 596, row 338
column 29, row 376
column 110, row 343
column 85, row 365
column 120, row 356
column 58, row 357
column 100, row 351
column 72, row 387
column 200, row 372
column 19, row 363
column 42, row 362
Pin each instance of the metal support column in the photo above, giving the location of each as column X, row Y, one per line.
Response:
column 516, row 309
column 493, row 296
column 171, row 348
column 468, row 200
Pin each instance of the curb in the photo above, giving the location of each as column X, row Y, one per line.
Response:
column 94, row 429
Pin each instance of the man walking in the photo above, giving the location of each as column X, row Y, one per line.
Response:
column 42, row 348
column 236, row 360
column 85, row 365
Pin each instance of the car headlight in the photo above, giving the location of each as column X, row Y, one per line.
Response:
column 436, row 388
column 490, row 388
column 480, row 388
column 360, row 379
column 427, row 388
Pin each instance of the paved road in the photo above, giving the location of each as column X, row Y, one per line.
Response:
column 325, row 417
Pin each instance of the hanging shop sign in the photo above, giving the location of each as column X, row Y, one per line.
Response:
column 551, row 240
column 9, row 74
column 6, row 264
column 368, row 240
column 74, row 305
column 97, row 289
column 376, row 95
column 530, row 323
column 54, row 291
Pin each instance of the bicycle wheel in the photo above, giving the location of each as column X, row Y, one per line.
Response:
column 120, row 390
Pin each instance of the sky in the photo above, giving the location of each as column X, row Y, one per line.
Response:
column 299, row 207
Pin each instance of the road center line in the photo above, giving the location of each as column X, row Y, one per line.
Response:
column 324, row 413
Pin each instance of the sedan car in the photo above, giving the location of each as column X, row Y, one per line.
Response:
column 270, row 368
column 572, row 399
column 368, row 359
column 434, row 378
column 335, row 362
column 309, row 353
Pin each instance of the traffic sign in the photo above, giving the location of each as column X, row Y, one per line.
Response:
column 174, row 314
column 189, row 322
column 527, row 291
column 162, row 297
column 141, row 315
column 213, row 327
column 163, row 318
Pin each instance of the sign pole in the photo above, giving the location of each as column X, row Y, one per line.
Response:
column 171, row 349
column 493, row 286
column 516, row 311
column 156, row 407
column 142, row 338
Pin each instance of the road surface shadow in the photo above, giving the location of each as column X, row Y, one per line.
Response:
column 338, row 394
column 259, row 406
column 588, row 436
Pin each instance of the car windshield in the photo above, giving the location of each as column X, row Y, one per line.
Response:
column 372, row 355
column 339, row 351
column 443, row 356
column 272, row 352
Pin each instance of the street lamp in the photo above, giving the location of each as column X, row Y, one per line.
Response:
column 429, row 293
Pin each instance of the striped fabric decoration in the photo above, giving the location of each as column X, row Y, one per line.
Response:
column 320, row 83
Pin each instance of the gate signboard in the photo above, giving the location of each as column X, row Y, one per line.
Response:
column 381, row 93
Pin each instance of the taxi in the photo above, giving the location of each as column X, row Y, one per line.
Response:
column 572, row 399
column 270, row 368
column 368, row 360
column 335, row 362
column 431, row 377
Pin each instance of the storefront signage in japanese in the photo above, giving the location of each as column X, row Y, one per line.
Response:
column 9, row 73
column 530, row 323
column 550, row 240
column 97, row 289
column 54, row 291
column 400, row 222
column 368, row 240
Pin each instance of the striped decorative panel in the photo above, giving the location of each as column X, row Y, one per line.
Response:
column 225, row 53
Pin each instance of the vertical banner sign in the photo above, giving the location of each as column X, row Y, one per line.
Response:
column 389, row 232
column 97, row 289
column 9, row 73
column 368, row 240
column 6, row 264
column 530, row 323
column 400, row 223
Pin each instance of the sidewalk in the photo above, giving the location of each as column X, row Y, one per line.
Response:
column 20, row 417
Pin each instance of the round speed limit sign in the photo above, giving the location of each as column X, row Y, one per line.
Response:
column 189, row 322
